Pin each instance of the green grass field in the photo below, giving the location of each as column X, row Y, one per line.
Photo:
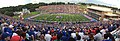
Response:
column 65, row 17
column 28, row 15
column 32, row 14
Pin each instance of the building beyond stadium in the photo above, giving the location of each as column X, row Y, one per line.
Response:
column 102, row 13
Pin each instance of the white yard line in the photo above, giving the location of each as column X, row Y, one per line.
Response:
column 33, row 16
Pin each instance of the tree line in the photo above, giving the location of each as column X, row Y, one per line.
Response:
column 9, row 10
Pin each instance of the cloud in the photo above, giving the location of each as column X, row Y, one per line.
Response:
column 5, row 3
column 48, row 1
column 114, row 3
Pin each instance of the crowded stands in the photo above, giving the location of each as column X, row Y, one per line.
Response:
column 12, row 30
column 61, row 9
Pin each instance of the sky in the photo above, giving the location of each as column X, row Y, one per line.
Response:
column 6, row 3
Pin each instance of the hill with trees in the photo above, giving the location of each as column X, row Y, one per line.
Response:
column 9, row 10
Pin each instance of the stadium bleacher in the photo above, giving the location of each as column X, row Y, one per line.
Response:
column 61, row 9
column 17, row 30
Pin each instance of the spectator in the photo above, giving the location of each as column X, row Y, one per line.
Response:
column 58, row 31
column 106, row 38
column 42, row 37
column 17, row 36
column 59, row 35
column 71, row 39
column 48, row 36
column 78, row 37
column 5, row 36
column 116, row 33
column 0, row 35
column 24, row 36
column 98, row 36
column 86, row 37
column 91, row 37
column 103, row 31
column 73, row 35
column 110, row 36
column 82, row 35
column 54, row 37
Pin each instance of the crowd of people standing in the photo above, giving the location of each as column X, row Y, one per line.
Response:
column 11, row 30
column 60, row 9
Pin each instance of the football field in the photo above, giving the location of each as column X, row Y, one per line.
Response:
column 62, row 17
